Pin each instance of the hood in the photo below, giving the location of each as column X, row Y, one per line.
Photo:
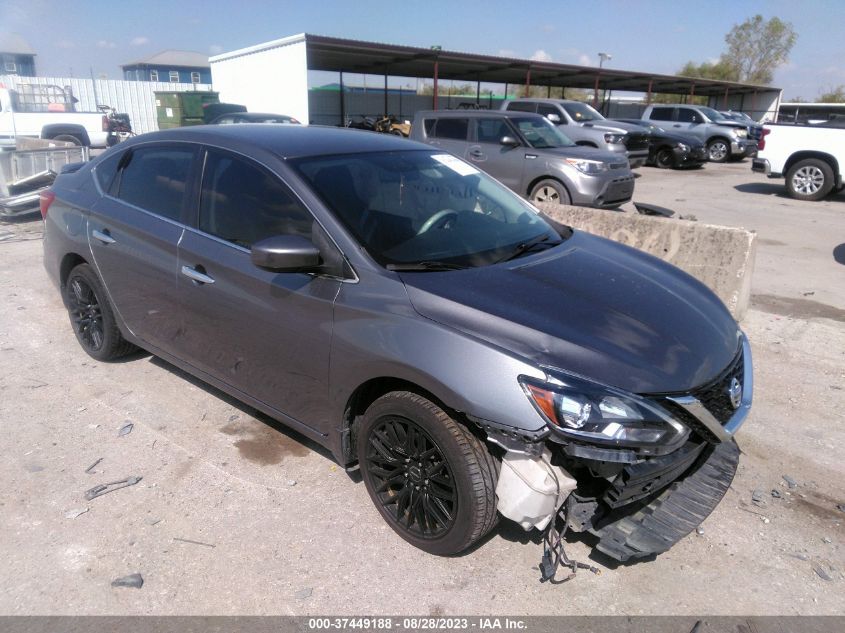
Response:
column 591, row 307
column 614, row 126
column 728, row 123
column 577, row 151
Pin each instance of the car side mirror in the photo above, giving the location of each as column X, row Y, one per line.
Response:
column 286, row 254
column 509, row 141
column 554, row 118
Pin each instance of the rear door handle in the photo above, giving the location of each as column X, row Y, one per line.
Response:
column 196, row 275
column 103, row 236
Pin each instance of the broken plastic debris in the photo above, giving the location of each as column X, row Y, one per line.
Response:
column 775, row 493
column 102, row 489
column 91, row 467
column 790, row 481
column 821, row 572
column 72, row 514
column 699, row 530
column 126, row 429
column 757, row 496
column 303, row 593
column 291, row 482
column 132, row 580
column 187, row 540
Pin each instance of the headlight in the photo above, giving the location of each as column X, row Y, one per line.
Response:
column 682, row 147
column 588, row 166
column 582, row 410
column 741, row 133
column 614, row 138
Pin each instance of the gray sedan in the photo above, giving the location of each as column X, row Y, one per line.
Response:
column 402, row 308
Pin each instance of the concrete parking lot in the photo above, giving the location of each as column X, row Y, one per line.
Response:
column 234, row 514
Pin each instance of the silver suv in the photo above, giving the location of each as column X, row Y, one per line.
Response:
column 723, row 137
column 530, row 155
column 587, row 127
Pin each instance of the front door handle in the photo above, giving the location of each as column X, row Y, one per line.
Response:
column 103, row 236
column 196, row 275
column 476, row 154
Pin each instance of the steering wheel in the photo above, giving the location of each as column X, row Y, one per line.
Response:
column 439, row 219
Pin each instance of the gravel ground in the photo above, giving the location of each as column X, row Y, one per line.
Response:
column 234, row 514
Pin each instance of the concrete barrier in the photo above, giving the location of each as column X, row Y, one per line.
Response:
column 721, row 257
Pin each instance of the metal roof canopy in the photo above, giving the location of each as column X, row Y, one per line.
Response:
column 354, row 56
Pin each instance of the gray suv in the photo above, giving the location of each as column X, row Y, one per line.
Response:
column 584, row 125
column 530, row 155
column 723, row 138
column 398, row 306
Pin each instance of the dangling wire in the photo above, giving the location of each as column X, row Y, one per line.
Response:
column 554, row 554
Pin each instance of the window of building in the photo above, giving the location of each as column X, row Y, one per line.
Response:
column 243, row 204
column 174, row 76
column 155, row 179
column 11, row 67
column 452, row 129
column 195, row 78
column 153, row 75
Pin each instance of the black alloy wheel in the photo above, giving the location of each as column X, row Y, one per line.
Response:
column 92, row 317
column 432, row 480
column 85, row 314
column 412, row 478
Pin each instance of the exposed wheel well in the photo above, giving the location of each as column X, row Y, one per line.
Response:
column 69, row 262
column 586, row 144
column 798, row 156
column 719, row 138
column 372, row 390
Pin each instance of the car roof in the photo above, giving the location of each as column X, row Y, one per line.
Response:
column 287, row 141
column 477, row 114
column 255, row 115
column 548, row 100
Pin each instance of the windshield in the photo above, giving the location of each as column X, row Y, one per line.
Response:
column 419, row 207
column 713, row 115
column 581, row 112
column 542, row 133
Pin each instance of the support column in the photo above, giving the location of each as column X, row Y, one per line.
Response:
column 726, row 98
column 342, row 102
column 692, row 91
column 478, row 92
column 385, row 92
column 648, row 96
column 528, row 82
column 434, row 97
column 596, row 91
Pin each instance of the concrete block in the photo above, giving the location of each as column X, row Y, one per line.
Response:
column 721, row 257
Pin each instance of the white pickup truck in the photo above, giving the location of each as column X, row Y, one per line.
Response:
column 810, row 157
column 48, row 112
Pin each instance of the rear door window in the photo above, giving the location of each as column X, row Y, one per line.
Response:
column 455, row 129
column 242, row 203
column 687, row 115
column 661, row 114
column 545, row 109
column 156, row 179
column 106, row 170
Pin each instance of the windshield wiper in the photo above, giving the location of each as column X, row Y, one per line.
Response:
column 425, row 266
column 525, row 247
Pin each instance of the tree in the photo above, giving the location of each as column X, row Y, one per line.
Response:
column 757, row 47
column 833, row 95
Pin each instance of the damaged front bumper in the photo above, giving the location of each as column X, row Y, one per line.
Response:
column 638, row 505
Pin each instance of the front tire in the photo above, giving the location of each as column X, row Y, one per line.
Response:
column 719, row 150
column 92, row 317
column 432, row 480
column 549, row 191
column 664, row 159
column 809, row 179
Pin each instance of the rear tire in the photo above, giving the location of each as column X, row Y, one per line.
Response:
column 432, row 480
column 550, row 190
column 809, row 179
column 92, row 317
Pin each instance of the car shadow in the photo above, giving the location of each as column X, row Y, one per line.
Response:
column 244, row 408
column 763, row 188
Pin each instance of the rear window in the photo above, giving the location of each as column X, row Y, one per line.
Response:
column 452, row 129
column 428, row 125
column 661, row 114
column 105, row 171
column 522, row 106
column 155, row 179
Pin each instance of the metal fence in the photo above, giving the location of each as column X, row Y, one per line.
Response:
column 136, row 98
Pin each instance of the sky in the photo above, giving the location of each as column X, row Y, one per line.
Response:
column 659, row 36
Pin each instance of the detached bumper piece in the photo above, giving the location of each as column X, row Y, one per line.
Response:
column 677, row 511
